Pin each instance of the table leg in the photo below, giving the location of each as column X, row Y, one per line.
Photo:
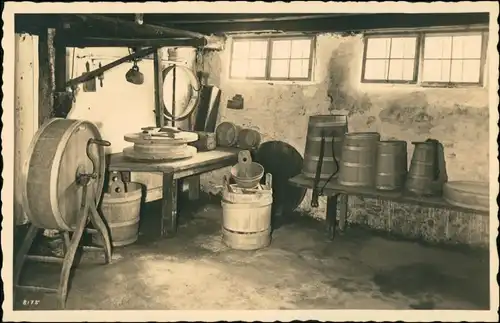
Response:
column 331, row 216
column 169, row 206
column 343, row 200
column 194, row 187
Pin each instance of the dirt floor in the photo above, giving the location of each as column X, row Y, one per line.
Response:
column 301, row 269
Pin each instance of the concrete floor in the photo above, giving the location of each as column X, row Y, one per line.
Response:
column 300, row 270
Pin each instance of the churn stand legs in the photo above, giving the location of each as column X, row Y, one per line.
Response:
column 88, row 210
column 71, row 246
column 333, row 202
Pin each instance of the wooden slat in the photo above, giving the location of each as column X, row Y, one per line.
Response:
column 37, row 289
column 201, row 159
column 45, row 259
column 334, row 188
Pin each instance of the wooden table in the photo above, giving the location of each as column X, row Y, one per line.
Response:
column 337, row 196
column 172, row 172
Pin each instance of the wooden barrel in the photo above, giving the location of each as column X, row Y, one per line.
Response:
column 51, row 197
column 332, row 128
column 468, row 194
column 122, row 215
column 248, row 139
column 226, row 134
column 423, row 169
column 246, row 225
column 392, row 165
column 359, row 157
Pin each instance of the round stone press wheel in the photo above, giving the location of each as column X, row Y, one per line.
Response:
column 51, row 197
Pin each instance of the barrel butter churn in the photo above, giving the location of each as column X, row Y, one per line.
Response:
column 323, row 150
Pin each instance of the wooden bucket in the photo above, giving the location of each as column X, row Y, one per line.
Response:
column 121, row 212
column 392, row 165
column 226, row 134
column 246, row 216
column 248, row 139
column 332, row 128
column 359, row 157
column 51, row 196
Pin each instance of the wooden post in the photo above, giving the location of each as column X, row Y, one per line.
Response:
column 62, row 101
column 160, row 120
column 45, row 76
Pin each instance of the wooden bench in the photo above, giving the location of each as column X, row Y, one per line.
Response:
column 172, row 173
column 337, row 197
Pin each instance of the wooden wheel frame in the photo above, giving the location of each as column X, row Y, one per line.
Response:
column 55, row 163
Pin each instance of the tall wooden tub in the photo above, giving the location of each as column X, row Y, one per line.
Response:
column 359, row 157
column 392, row 165
column 246, row 218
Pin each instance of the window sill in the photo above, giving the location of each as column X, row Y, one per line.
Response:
column 366, row 87
column 271, row 82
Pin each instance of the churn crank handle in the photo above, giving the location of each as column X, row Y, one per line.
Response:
column 316, row 193
column 92, row 157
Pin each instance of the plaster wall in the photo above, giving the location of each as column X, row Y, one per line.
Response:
column 26, row 110
column 458, row 117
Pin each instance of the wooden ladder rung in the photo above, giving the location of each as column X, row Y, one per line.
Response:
column 37, row 289
column 48, row 259
column 92, row 248
column 91, row 231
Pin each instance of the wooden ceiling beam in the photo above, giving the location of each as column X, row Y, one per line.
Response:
column 82, row 42
column 343, row 23
column 134, row 29
column 95, row 73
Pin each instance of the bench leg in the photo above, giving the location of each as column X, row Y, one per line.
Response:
column 169, row 206
column 342, row 200
column 331, row 216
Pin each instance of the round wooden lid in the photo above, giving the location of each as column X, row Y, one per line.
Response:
column 468, row 194
column 158, row 156
column 159, row 136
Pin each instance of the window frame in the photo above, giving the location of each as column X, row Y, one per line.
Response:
column 416, row 63
column 482, row 59
column 419, row 57
column 269, row 40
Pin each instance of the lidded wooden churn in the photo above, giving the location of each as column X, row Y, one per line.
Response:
column 427, row 172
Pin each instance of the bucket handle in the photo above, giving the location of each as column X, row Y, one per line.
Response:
column 435, row 143
column 244, row 157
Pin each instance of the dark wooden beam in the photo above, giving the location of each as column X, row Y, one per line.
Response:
column 92, row 74
column 342, row 23
column 132, row 43
column 45, row 76
column 234, row 17
column 62, row 101
column 134, row 29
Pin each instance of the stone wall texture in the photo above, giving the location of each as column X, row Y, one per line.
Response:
column 458, row 117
